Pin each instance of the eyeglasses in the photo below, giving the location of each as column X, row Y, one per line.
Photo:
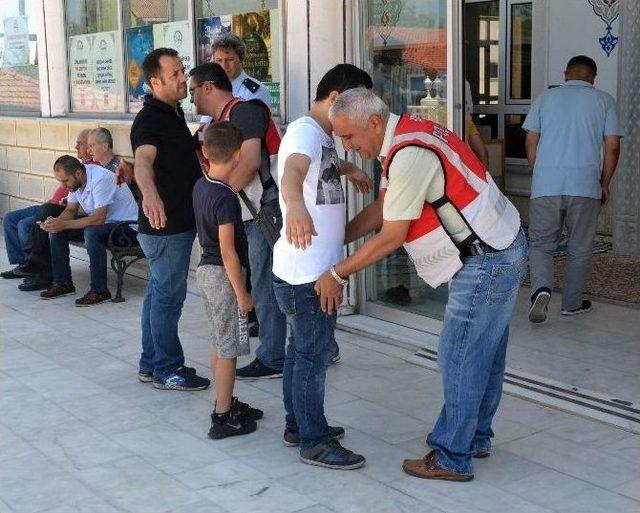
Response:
column 192, row 89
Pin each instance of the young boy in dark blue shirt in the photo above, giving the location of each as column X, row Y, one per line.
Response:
column 221, row 276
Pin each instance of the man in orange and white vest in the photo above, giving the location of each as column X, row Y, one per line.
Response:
column 438, row 201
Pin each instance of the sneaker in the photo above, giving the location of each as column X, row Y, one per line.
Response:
column 330, row 454
column 539, row 305
column 34, row 283
column 231, row 424
column 257, row 370
column 58, row 290
column 584, row 308
column 145, row 376
column 245, row 409
column 93, row 298
column 26, row 269
column 291, row 438
column 335, row 359
column 182, row 379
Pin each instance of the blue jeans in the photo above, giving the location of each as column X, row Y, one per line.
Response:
column 311, row 340
column 95, row 239
column 168, row 257
column 17, row 227
column 273, row 326
column 472, row 352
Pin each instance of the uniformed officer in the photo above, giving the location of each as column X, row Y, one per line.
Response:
column 228, row 50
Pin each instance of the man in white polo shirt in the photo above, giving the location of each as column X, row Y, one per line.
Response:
column 105, row 204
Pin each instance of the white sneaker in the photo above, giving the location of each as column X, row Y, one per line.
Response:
column 539, row 305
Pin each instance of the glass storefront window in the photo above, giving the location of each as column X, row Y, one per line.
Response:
column 151, row 24
column 405, row 45
column 257, row 23
column 95, row 56
column 19, row 81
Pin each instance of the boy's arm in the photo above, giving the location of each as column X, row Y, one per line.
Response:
column 226, row 235
column 298, row 222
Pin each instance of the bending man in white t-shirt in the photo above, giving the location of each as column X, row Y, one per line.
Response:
column 313, row 208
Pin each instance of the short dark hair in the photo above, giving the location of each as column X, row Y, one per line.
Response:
column 340, row 78
column 151, row 63
column 222, row 140
column 68, row 164
column 229, row 41
column 211, row 72
column 583, row 61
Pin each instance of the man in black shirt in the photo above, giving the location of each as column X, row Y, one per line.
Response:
column 166, row 168
column 211, row 93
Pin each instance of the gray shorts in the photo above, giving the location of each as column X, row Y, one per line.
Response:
column 229, row 333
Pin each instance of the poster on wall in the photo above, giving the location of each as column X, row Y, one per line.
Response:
column 81, row 73
column 254, row 28
column 105, row 58
column 16, row 42
column 139, row 44
column 208, row 30
column 176, row 35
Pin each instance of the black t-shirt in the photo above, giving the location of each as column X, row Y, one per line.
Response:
column 215, row 204
column 253, row 119
column 176, row 166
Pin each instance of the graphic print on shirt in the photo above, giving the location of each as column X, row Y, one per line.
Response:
column 329, row 185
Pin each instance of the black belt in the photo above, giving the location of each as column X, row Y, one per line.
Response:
column 477, row 248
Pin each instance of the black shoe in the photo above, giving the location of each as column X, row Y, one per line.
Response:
column 539, row 305
column 11, row 274
column 34, row 283
column 291, row 438
column 257, row 370
column 245, row 410
column 145, row 376
column 335, row 359
column 330, row 454
column 26, row 269
column 584, row 308
column 230, row 424
column 182, row 379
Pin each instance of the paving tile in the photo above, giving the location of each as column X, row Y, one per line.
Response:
column 170, row 450
column 257, row 496
column 630, row 489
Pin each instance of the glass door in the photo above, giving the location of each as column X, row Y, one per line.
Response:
column 408, row 47
column 497, row 70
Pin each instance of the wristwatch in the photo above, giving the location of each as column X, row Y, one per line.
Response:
column 337, row 277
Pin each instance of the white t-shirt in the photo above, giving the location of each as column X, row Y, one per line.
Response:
column 101, row 191
column 324, row 199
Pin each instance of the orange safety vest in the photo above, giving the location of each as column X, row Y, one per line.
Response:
column 490, row 216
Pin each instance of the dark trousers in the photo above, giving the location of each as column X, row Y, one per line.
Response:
column 39, row 252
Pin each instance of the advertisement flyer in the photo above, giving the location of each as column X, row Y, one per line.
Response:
column 16, row 42
column 208, row 30
column 81, row 73
column 106, row 62
column 176, row 35
column 139, row 44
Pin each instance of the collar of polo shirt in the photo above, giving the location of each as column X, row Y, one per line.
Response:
column 392, row 123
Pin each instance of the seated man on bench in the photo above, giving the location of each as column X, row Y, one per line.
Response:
column 106, row 205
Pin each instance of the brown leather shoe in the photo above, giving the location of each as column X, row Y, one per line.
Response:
column 58, row 290
column 428, row 468
column 93, row 298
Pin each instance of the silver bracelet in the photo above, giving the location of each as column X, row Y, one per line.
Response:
column 337, row 277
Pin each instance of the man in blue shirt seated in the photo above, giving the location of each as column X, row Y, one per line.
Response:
column 567, row 128
column 105, row 204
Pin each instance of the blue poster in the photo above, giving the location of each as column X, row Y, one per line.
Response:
column 139, row 44
column 208, row 30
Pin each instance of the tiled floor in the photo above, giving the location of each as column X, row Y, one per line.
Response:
column 79, row 433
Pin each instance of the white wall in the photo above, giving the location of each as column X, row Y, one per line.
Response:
column 574, row 29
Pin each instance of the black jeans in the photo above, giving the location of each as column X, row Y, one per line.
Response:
column 39, row 252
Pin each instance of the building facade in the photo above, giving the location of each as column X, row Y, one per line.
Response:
column 66, row 65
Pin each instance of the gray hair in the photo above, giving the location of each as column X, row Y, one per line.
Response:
column 229, row 41
column 102, row 136
column 359, row 104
